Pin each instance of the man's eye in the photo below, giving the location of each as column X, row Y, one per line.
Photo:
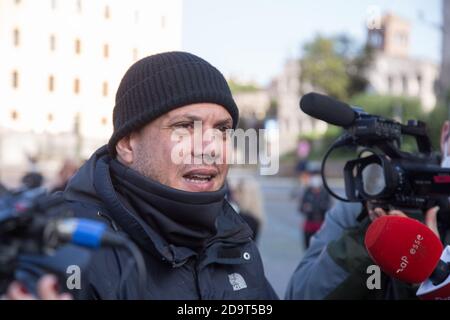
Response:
column 185, row 125
column 224, row 128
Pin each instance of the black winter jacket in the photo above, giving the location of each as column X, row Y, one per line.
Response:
column 229, row 268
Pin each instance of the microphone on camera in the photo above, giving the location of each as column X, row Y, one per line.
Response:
column 327, row 109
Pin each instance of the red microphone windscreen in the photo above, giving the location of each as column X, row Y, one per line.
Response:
column 403, row 248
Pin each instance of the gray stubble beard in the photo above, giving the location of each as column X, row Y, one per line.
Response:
column 143, row 164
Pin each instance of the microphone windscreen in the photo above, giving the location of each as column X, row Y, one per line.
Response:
column 325, row 108
column 403, row 248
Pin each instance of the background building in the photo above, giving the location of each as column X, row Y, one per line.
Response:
column 394, row 71
column 287, row 90
column 253, row 104
column 62, row 61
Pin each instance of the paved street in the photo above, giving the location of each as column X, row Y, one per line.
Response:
column 280, row 243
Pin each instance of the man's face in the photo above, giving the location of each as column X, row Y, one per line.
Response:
column 152, row 148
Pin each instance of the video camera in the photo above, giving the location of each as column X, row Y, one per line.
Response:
column 382, row 173
column 39, row 235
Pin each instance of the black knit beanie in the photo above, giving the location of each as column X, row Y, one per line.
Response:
column 162, row 82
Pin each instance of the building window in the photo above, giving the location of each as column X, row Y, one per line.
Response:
column 16, row 37
column 105, row 50
column 286, row 124
column 105, row 89
column 163, row 22
column 15, row 79
column 107, row 12
column 136, row 17
column 14, row 115
column 419, row 83
column 405, row 84
column 401, row 38
column 390, row 82
column 17, row 1
column 77, row 46
column 53, row 4
column 79, row 6
column 76, row 86
column 52, row 42
column 51, row 83
column 50, row 117
column 375, row 39
column 135, row 54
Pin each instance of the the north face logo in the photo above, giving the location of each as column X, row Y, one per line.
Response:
column 237, row 281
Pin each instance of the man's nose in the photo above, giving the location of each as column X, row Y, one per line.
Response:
column 207, row 144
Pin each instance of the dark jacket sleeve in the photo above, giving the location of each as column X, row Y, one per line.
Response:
column 318, row 274
column 350, row 254
column 271, row 294
column 103, row 276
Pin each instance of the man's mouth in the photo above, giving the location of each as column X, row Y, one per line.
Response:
column 198, row 178
column 201, row 176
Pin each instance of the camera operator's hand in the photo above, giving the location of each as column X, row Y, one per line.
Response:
column 431, row 220
column 378, row 212
column 430, row 216
column 47, row 290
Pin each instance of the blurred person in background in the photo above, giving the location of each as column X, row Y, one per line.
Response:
column 67, row 170
column 303, row 177
column 32, row 180
column 248, row 197
column 314, row 203
column 303, row 174
column 3, row 189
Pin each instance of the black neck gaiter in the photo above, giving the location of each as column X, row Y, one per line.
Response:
column 182, row 218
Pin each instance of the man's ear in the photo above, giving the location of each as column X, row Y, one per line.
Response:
column 124, row 149
column 445, row 131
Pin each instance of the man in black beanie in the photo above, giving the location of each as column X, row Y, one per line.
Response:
column 194, row 244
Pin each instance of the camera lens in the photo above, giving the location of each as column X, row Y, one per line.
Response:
column 373, row 179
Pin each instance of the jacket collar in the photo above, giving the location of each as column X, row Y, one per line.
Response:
column 92, row 184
